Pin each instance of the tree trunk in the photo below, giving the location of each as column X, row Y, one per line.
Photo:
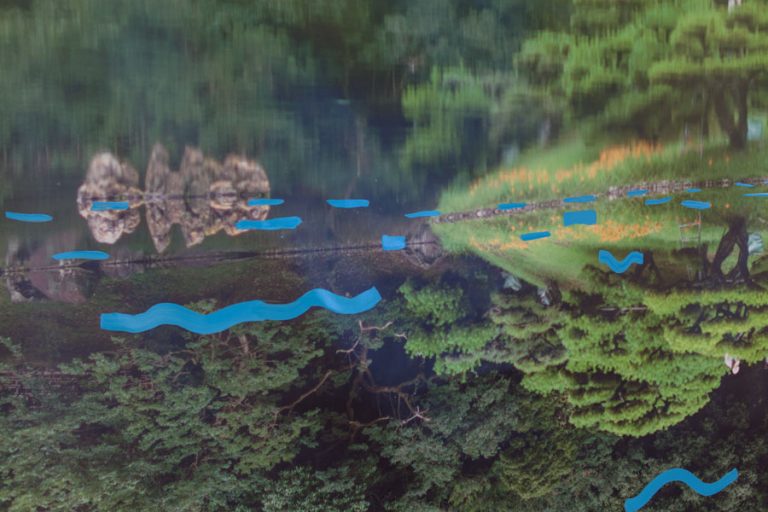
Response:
column 736, row 129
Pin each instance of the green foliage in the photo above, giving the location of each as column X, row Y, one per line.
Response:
column 437, row 305
column 309, row 490
column 197, row 428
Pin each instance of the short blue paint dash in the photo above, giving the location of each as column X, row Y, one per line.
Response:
column 742, row 184
column 534, row 236
column 580, row 199
column 424, row 213
column 757, row 194
column 28, row 217
column 637, row 192
column 692, row 190
column 269, row 225
column 349, row 203
column 104, row 206
column 265, row 202
column 510, row 206
column 620, row 266
column 653, row 202
column 586, row 217
column 697, row 205
column 81, row 255
column 392, row 243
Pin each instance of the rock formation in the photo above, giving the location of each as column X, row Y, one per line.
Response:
column 203, row 197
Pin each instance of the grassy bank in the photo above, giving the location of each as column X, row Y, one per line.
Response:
column 623, row 225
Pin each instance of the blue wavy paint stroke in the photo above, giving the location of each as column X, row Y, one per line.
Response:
column 653, row 202
column 392, row 243
column 265, row 202
column 693, row 190
column 81, row 255
column 741, row 184
column 28, row 217
column 637, row 192
column 269, row 225
column 757, row 194
column 617, row 266
column 579, row 199
column 534, row 236
column 510, row 206
column 349, row 203
column 697, row 205
column 251, row 311
column 424, row 213
column 103, row 206
column 679, row 475
column 586, row 217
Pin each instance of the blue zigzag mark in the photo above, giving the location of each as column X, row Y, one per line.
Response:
column 617, row 266
column 679, row 475
column 252, row 311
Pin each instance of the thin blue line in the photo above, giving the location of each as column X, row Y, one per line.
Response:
column 424, row 213
column 510, row 206
column 81, row 255
column 696, row 205
column 534, row 236
column 28, row 217
column 653, row 202
column 265, row 202
column 349, row 203
column 103, row 206
column 580, row 199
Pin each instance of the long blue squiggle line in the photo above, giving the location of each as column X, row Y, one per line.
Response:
column 679, row 475
column 252, row 311
column 617, row 266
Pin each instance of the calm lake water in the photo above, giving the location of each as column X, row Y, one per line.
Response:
column 489, row 371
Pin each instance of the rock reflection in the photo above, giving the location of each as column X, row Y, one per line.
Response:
column 204, row 197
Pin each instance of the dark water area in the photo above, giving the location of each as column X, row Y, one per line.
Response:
column 207, row 365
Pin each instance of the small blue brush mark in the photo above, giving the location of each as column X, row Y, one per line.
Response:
column 251, row 311
column 637, row 192
column 28, row 217
column 679, row 475
column 424, row 213
column 693, row 190
column 348, row 203
column 265, row 202
column 653, row 202
column 269, row 225
column 510, row 206
column 606, row 258
column 81, row 255
column 579, row 199
column 586, row 217
column 742, row 184
column 104, row 206
column 392, row 243
column 534, row 236
column 697, row 205
column 757, row 194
